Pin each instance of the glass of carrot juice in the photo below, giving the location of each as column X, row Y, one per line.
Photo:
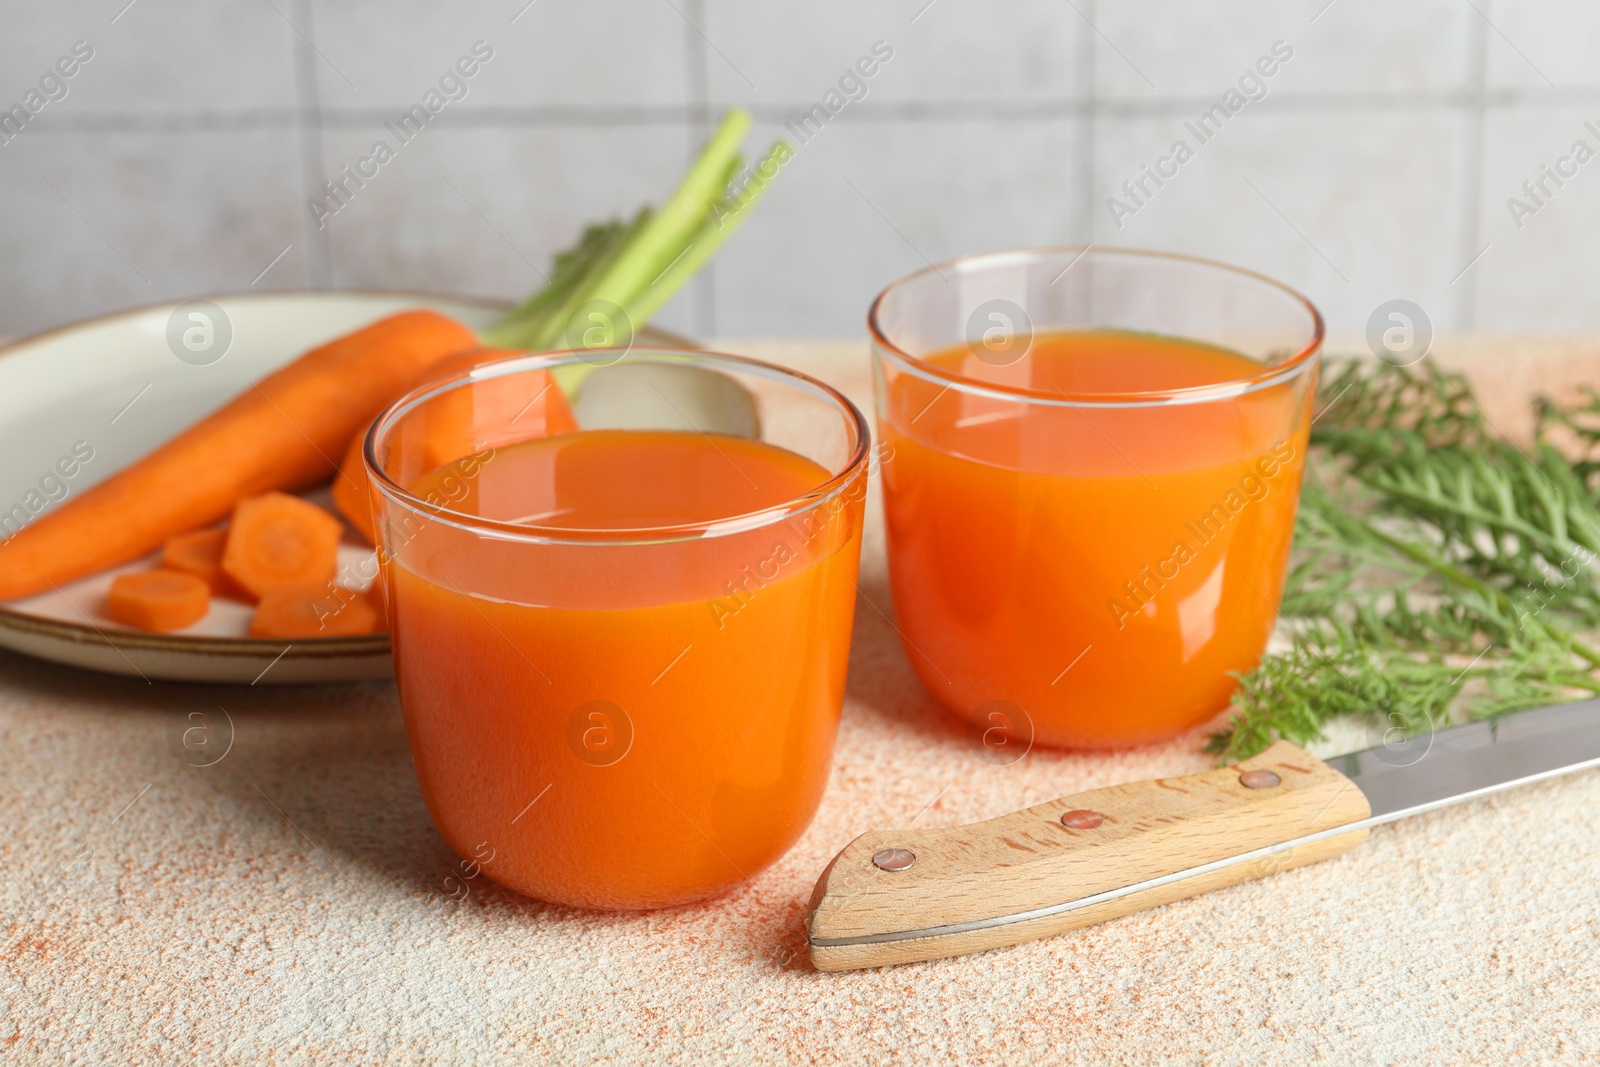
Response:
column 620, row 629
column 1094, row 461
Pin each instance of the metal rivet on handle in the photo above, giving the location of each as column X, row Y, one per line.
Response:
column 893, row 859
column 1259, row 779
column 1082, row 819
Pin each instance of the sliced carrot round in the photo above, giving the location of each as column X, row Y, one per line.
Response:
column 278, row 540
column 282, row 432
column 199, row 552
column 316, row 611
column 159, row 600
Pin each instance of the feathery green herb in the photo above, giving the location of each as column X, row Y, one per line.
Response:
column 1439, row 572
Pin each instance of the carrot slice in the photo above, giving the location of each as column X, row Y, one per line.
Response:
column 489, row 413
column 316, row 611
column 284, row 432
column 278, row 540
column 199, row 552
column 158, row 600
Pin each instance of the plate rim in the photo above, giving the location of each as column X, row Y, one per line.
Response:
column 487, row 303
column 87, row 633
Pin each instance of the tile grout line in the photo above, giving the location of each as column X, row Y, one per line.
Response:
column 583, row 115
column 1088, row 49
column 1473, row 169
column 703, row 310
column 308, row 124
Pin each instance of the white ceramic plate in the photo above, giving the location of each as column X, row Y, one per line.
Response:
column 116, row 388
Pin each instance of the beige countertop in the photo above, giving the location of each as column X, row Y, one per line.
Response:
column 289, row 903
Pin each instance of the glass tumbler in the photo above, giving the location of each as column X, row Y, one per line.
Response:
column 1084, row 552
column 612, row 702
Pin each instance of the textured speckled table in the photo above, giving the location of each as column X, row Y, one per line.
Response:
column 275, row 906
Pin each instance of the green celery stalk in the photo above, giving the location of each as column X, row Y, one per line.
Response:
column 672, row 227
column 715, row 229
column 640, row 265
column 549, row 332
column 570, row 269
column 529, row 324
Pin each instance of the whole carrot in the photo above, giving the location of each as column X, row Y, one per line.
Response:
column 488, row 413
column 291, row 428
column 287, row 431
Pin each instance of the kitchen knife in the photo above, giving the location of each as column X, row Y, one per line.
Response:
column 896, row 896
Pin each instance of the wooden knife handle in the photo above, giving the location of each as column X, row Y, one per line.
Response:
column 969, row 888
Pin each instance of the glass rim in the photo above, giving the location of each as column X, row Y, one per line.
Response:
column 820, row 494
column 1296, row 364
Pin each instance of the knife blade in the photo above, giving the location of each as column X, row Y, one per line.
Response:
column 901, row 896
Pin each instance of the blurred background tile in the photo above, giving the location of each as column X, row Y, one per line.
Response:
column 867, row 202
column 1377, row 165
column 152, row 56
column 943, row 52
column 1150, row 49
column 97, row 222
column 1540, row 275
column 1351, row 210
column 481, row 211
column 545, row 54
column 1541, row 46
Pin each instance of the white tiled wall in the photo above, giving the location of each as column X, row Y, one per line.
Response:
column 1377, row 165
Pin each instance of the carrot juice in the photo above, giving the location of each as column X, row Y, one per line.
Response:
column 621, row 655
column 1098, row 564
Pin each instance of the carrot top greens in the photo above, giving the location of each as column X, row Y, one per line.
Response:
column 1439, row 573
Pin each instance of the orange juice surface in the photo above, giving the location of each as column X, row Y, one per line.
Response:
column 624, row 725
column 1098, row 571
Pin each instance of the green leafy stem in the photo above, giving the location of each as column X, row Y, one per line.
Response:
column 619, row 273
column 1439, row 573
